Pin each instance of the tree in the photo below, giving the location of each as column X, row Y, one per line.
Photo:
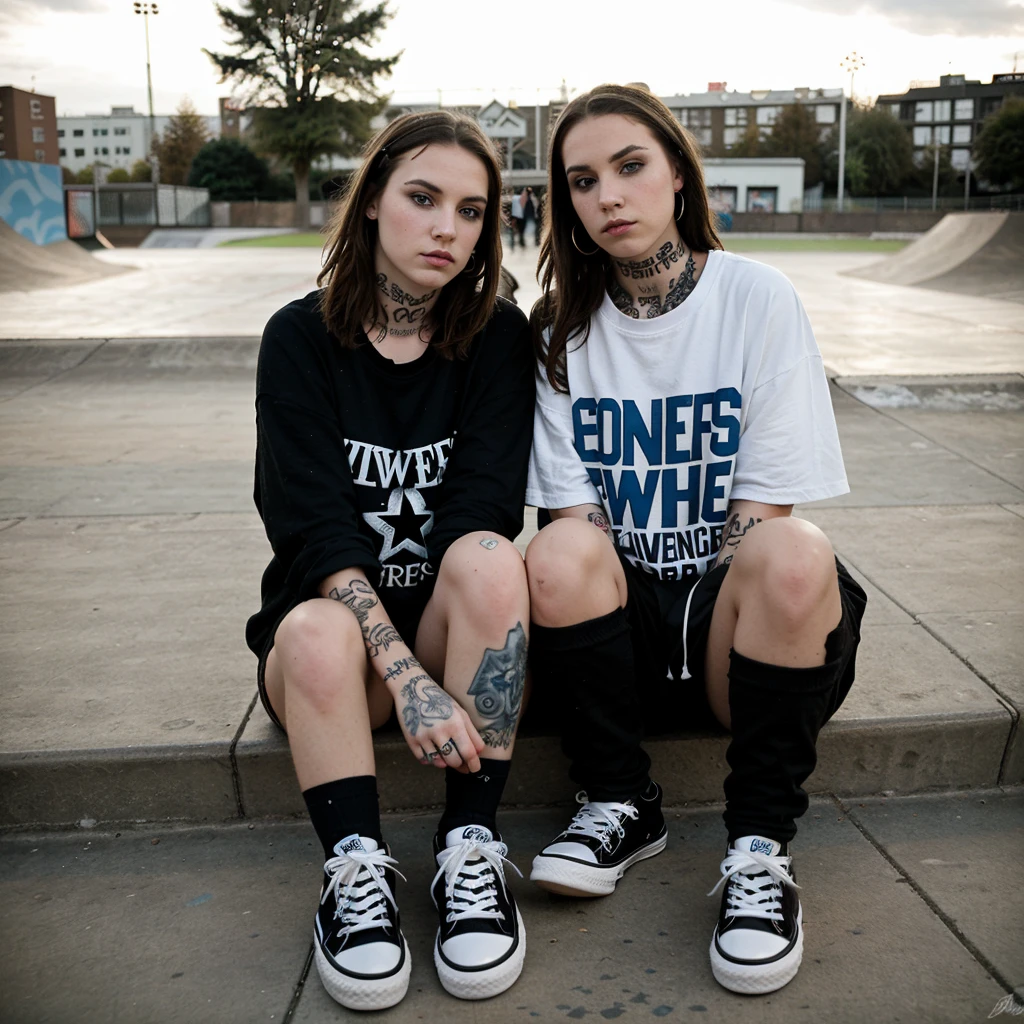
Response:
column 750, row 144
column 879, row 154
column 999, row 148
column 141, row 171
column 182, row 139
column 308, row 77
column 68, row 176
column 85, row 175
column 796, row 133
column 117, row 176
column 230, row 170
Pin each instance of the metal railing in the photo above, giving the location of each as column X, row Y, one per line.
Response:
column 879, row 204
column 146, row 204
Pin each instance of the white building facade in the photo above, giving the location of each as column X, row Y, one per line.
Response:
column 116, row 139
column 755, row 184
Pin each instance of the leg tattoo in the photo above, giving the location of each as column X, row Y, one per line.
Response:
column 497, row 688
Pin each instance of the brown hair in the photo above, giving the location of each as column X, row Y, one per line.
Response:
column 581, row 280
column 351, row 296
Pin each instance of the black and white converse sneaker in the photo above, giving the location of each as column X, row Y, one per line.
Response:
column 759, row 939
column 360, row 951
column 604, row 839
column 481, row 942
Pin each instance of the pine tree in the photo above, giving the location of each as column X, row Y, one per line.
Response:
column 311, row 84
column 182, row 139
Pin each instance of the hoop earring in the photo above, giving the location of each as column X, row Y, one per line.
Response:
column 682, row 204
column 572, row 235
column 470, row 267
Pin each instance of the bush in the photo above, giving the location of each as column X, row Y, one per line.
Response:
column 999, row 148
column 84, row 176
column 141, row 171
column 69, row 177
column 231, row 171
column 117, row 176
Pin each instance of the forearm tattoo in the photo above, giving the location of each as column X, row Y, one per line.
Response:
column 395, row 669
column 732, row 533
column 650, row 303
column 426, row 704
column 497, row 689
column 599, row 520
column 359, row 598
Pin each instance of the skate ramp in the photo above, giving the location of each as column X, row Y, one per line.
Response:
column 969, row 253
column 25, row 266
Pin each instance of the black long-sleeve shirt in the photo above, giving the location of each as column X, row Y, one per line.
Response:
column 364, row 462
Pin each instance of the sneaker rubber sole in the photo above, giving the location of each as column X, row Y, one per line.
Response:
column 482, row 984
column 363, row 993
column 574, row 878
column 754, row 979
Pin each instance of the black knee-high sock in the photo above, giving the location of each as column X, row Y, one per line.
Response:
column 777, row 713
column 589, row 668
column 472, row 799
column 343, row 808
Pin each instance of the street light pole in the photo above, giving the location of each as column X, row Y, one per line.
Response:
column 146, row 8
column 852, row 62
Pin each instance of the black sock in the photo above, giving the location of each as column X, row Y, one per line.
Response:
column 343, row 808
column 777, row 713
column 589, row 668
column 473, row 799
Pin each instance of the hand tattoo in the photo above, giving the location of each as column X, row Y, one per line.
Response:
column 732, row 533
column 426, row 704
column 497, row 688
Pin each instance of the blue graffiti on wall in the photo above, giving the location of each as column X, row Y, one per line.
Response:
column 32, row 200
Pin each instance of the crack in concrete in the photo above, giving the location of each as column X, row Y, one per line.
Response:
column 236, row 781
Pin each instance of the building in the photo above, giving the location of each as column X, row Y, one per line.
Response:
column 28, row 126
column 950, row 112
column 116, row 139
column 755, row 184
column 719, row 118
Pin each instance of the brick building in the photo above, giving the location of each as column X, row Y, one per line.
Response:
column 28, row 126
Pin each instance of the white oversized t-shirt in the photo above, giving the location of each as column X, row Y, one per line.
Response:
column 667, row 419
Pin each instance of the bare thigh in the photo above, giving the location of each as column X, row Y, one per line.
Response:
column 378, row 697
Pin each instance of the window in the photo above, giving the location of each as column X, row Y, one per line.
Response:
column 923, row 110
column 60, row 133
column 762, row 200
column 963, row 110
column 825, row 113
column 942, row 110
column 79, row 152
column 123, row 150
column 38, row 135
column 41, row 156
column 894, row 109
column 922, row 136
column 703, row 136
column 961, row 133
column 700, row 118
column 942, row 134
column 78, row 132
column 960, row 158
column 722, row 198
column 63, row 151
column 735, row 117
column 36, row 109
column 103, row 131
column 767, row 115
column 731, row 136
column 991, row 105
column 105, row 151
column 120, row 131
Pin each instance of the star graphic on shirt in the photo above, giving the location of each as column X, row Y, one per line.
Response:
column 407, row 520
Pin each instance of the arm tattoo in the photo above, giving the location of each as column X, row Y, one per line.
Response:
column 359, row 598
column 401, row 665
column 599, row 520
column 497, row 689
column 732, row 534
column 426, row 704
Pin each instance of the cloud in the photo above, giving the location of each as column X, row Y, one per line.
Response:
column 938, row 17
column 17, row 14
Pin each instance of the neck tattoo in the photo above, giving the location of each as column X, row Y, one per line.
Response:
column 652, row 304
column 663, row 259
column 405, row 309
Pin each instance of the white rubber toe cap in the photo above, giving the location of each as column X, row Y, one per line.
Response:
column 575, row 850
column 476, row 949
column 749, row 944
column 371, row 958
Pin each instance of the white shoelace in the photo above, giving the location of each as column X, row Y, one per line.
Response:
column 470, row 868
column 358, row 886
column 599, row 819
column 749, row 894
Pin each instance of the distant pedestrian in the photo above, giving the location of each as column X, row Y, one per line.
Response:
column 531, row 216
column 516, row 214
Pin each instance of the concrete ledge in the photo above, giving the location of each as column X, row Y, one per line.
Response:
column 154, row 784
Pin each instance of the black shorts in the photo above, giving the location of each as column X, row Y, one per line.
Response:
column 670, row 621
column 405, row 613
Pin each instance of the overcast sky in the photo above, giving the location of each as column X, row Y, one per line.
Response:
column 90, row 54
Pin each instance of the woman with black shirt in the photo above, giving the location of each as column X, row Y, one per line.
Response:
column 394, row 410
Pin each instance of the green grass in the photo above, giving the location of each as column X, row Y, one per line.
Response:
column 809, row 244
column 312, row 240
column 307, row 240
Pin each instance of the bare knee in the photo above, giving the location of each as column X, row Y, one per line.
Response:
column 790, row 565
column 564, row 562
column 320, row 650
column 484, row 574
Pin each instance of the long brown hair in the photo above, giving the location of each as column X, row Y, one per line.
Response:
column 581, row 280
column 351, row 296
